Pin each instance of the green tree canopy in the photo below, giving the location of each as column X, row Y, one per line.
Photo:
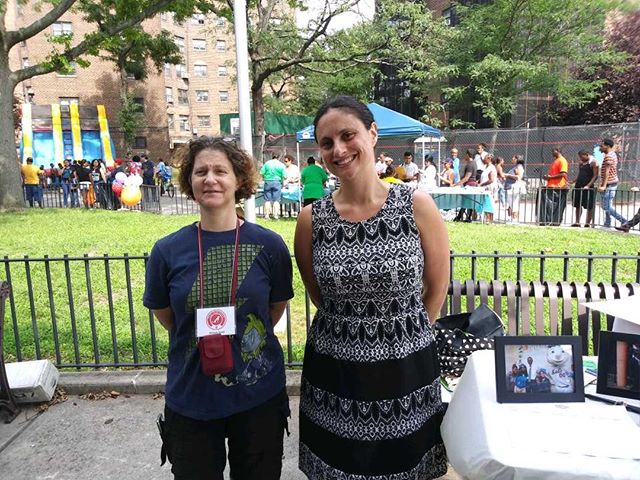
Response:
column 107, row 17
column 504, row 48
column 618, row 98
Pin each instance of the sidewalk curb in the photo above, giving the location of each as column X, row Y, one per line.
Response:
column 137, row 381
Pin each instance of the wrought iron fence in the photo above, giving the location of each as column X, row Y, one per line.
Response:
column 87, row 312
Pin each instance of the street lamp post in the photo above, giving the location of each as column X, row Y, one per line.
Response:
column 244, row 108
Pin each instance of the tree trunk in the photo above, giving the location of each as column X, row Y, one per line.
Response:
column 258, row 117
column 124, row 92
column 11, row 196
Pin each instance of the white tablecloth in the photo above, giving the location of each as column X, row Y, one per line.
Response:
column 480, row 444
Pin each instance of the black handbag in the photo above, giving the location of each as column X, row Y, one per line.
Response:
column 458, row 336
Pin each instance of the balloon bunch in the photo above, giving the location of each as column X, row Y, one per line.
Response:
column 127, row 188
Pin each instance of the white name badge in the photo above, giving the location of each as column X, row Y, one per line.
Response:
column 216, row 321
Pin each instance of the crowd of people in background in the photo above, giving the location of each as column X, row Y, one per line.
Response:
column 90, row 182
column 505, row 182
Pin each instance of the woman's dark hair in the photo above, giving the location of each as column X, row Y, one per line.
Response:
column 344, row 102
column 311, row 161
column 519, row 159
column 390, row 171
column 498, row 160
column 243, row 165
column 289, row 157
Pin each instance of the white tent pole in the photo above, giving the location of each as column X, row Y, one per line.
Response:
column 244, row 102
column 439, row 161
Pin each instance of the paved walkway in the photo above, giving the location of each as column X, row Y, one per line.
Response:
column 108, row 438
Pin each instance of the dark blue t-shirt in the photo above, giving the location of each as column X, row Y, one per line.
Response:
column 264, row 277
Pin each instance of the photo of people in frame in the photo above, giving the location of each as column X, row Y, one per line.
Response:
column 623, row 367
column 533, row 368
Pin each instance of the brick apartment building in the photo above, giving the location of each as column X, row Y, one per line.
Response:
column 179, row 102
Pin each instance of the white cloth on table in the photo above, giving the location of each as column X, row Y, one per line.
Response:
column 480, row 443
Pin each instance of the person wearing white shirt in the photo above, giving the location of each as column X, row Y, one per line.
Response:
column 489, row 180
column 381, row 164
column 479, row 159
column 291, row 182
column 408, row 172
column 291, row 171
column 428, row 174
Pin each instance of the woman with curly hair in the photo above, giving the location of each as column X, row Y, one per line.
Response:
column 221, row 273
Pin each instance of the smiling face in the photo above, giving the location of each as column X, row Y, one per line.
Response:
column 346, row 145
column 213, row 180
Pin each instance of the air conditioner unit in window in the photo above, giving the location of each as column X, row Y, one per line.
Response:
column 185, row 75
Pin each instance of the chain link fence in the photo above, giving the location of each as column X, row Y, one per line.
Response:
column 534, row 144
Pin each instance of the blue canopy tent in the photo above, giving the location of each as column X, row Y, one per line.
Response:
column 390, row 124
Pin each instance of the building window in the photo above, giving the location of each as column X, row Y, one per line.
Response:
column 184, row 123
column 220, row 21
column 197, row 19
column 204, row 121
column 139, row 101
column 170, row 124
column 199, row 45
column 222, row 71
column 449, row 16
column 200, row 69
column 68, row 100
column 183, row 96
column 140, row 142
column 223, row 96
column 179, row 41
column 167, row 70
column 61, row 28
column 202, row 96
column 221, row 45
column 168, row 94
column 181, row 71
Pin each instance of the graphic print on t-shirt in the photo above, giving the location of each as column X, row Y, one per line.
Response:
column 218, row 270
column 253, row 342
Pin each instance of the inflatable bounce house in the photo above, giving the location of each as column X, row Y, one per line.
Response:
column 53, row 133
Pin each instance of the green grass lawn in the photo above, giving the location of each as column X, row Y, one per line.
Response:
column 57, row 232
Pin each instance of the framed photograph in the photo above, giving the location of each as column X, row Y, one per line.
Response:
column 539, row 369
column 619, row 365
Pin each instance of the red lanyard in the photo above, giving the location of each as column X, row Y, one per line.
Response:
column 234, row 276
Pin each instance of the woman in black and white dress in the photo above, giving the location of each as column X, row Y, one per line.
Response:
column 374, row 258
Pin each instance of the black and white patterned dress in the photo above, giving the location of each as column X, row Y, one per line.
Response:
column 370, row 406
